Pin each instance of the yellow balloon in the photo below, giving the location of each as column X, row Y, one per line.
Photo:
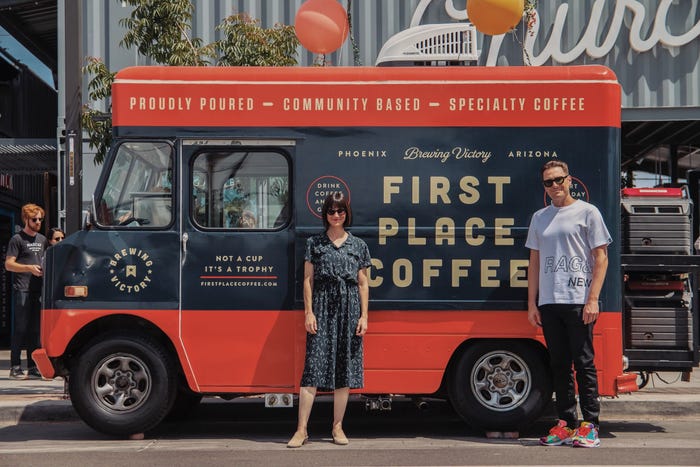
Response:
column 495, row 17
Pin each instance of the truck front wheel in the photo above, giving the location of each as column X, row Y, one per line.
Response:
column 122, row 385
column 500, row 385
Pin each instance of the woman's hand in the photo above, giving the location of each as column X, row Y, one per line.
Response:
column 363, row 290
column 309, row 317
column 361, row 326
column 310, row 323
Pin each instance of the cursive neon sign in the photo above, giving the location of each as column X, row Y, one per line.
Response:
column 587, row 44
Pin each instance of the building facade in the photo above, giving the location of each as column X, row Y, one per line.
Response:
column 652, row 45
column 27, row 162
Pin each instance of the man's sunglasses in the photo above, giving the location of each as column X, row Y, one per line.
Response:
column 551, row 181
column 37, row 219
column 339, row 211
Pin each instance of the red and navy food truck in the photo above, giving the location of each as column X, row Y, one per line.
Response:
column 188, row 282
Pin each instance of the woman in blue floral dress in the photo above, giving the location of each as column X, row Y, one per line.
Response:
column 336, row 294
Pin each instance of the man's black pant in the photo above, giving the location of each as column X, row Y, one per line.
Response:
column 25, row 332
column 571, row 342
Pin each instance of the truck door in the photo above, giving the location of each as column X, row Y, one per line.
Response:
column 127, row 259
column 237, row 263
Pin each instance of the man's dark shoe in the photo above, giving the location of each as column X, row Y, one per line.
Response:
column 17, row 373
column 33, row 373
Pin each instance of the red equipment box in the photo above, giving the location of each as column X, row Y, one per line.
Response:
column 655, row 192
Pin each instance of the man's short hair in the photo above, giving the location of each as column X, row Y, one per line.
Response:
column 552, row 164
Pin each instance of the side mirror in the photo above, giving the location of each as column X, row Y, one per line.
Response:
column 87, row 220
column 90, row 215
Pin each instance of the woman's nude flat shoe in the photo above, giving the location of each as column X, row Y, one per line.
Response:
column 298, row 440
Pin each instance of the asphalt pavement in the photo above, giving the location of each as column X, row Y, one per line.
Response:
column 666, row 395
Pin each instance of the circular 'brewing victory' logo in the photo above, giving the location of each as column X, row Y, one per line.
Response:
column 130, row 270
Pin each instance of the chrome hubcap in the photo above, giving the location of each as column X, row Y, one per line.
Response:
column 121, row 383
column 501, row 380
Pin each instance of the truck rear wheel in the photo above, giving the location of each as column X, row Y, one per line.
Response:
column 500, row 385
column 122, row 385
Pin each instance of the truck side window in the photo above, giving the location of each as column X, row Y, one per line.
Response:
column 240, row 190
column 139, row 191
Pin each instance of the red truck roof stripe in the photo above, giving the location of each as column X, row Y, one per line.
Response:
column 587, row 96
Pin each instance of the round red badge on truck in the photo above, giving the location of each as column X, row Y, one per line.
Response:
column 319, row 190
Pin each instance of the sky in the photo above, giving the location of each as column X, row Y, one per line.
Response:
column 19, row 53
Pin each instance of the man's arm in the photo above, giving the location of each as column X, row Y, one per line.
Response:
column 12, row 265
column 600, row 267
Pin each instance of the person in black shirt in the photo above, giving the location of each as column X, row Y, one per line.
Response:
column 24, row 256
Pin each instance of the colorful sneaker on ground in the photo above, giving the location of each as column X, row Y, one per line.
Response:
column 558, row 435
column 586, row 436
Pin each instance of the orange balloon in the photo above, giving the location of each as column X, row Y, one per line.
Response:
column 321, row 25
column 495, row 17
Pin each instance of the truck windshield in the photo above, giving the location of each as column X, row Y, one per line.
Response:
column 138, row 192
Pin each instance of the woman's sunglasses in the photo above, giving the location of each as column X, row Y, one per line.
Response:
column 551, row 181
column 339, row 211
column 57, row 239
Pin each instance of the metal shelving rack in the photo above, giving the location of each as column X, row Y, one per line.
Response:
column 653, row 358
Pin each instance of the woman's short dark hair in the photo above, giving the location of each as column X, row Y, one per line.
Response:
column 336, row 200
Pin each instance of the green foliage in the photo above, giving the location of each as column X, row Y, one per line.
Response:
column 530, row 23
column 100, row 86
column 98, row 124
column 355, row 48
column 245, row 43
column 530, row 12
column 161, row 30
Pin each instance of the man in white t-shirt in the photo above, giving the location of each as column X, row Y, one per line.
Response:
column 568, row 244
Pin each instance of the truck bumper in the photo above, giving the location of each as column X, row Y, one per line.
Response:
column 626, row 382
column 44, row 363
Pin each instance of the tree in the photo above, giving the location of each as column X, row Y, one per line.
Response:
column 98, row 125
column 245, row 43
column 161, row 31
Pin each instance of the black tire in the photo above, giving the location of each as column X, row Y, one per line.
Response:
column 122, row 385
column 500, row 385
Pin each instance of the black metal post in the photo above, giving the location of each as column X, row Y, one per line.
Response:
column 73, row 179
column 673, row 167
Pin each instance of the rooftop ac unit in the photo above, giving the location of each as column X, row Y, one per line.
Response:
column 431, row 44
